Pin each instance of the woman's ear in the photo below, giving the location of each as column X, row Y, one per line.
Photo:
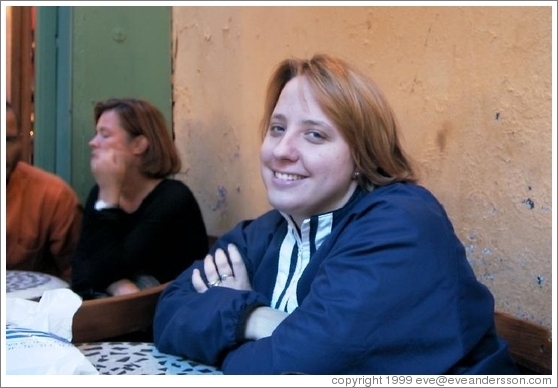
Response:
column 140, row 145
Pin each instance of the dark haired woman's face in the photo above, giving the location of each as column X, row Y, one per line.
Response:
column 109, row 135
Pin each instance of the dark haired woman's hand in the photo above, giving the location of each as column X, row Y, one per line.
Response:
column 109, row 167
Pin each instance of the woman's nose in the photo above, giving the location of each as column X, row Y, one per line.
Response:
column 286, row 148
column 93, row 142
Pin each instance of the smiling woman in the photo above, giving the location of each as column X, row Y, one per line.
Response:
column 356, row 270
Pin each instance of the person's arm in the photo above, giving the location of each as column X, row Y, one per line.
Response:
column 64, row 230
column 226, row 268
column 391, row 297
column 220, row 311
column 96, row 260
column 262, row 322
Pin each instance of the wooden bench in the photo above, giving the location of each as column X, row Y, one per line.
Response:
column 530, row 344
column 106, row 318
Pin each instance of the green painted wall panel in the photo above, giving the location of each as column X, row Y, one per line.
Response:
column 45, row 90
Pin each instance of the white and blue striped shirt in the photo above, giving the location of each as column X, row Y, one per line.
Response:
column 294, row 255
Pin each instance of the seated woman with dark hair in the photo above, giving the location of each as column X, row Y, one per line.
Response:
column 141, row 227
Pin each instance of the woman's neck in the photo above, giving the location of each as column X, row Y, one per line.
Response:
column 135, row 190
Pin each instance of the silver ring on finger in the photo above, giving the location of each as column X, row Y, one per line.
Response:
column 216, row 283
column 224, row 277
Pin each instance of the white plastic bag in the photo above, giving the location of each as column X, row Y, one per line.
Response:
column 32, row 352
column 39, row 334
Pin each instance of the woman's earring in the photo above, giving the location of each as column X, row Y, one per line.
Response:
column 356, row 174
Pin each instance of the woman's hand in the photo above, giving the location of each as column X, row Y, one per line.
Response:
column 231, row 272
column 122, row 287
column 262, row 322
column 222, row 271
column 109, row 168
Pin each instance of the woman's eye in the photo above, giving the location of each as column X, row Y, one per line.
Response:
column 315, row 136
column 276, row 129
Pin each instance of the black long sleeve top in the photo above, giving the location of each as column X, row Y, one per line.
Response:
column 161, row 238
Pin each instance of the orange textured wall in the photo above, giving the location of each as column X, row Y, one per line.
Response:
column 472, row 87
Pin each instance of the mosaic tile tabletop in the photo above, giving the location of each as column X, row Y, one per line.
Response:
column 139, row 358
column 31, row 285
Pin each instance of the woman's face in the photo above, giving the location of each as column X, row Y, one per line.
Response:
column 306, row 164
column 109, row 134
